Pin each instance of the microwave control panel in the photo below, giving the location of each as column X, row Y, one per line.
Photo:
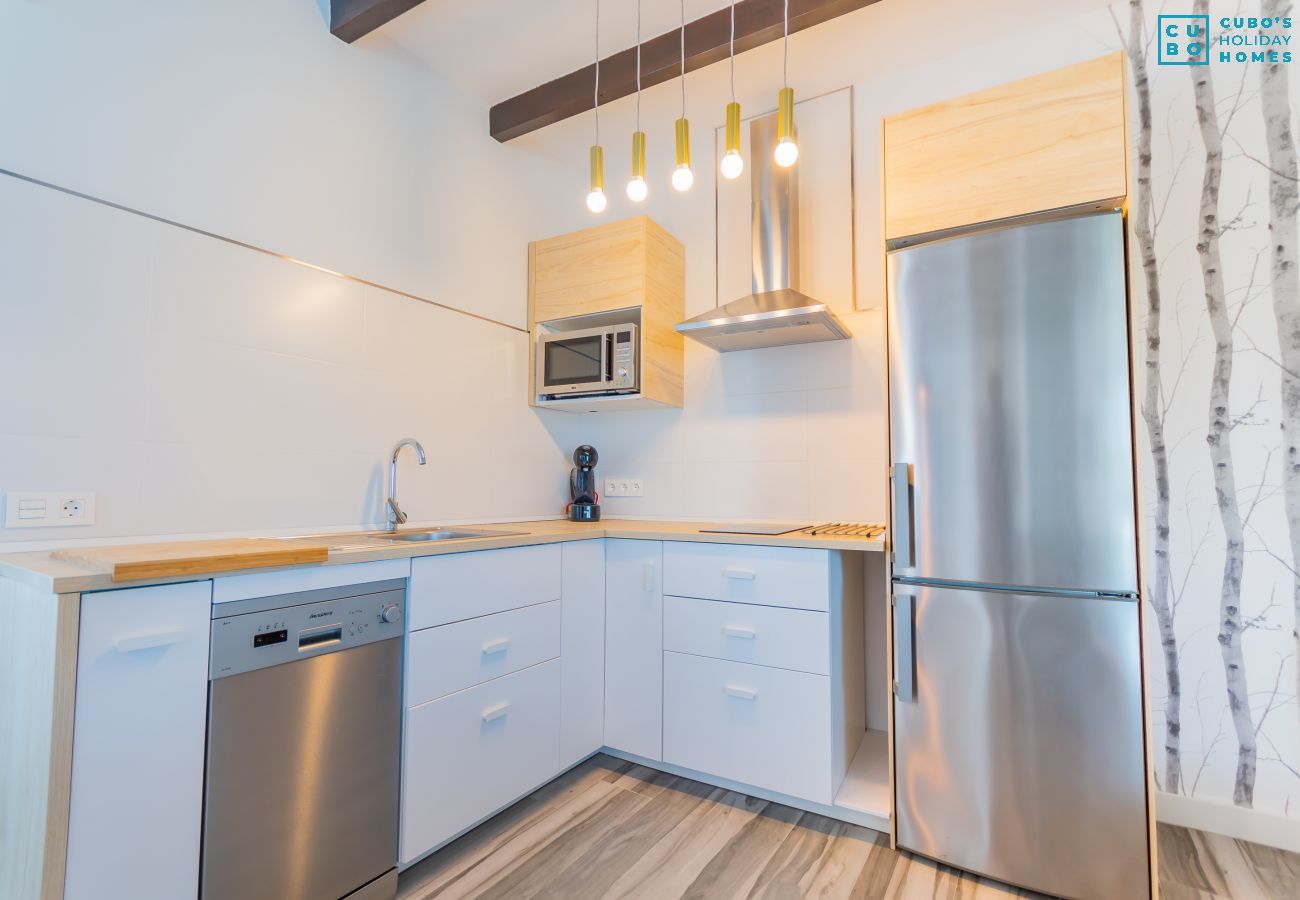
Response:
column 624, row 359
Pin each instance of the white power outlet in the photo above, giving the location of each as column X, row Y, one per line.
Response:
column 45, row 509
column 624, row 487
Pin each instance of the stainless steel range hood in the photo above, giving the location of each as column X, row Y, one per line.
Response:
column 776, row 312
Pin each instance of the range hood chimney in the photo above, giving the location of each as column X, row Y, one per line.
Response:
column 776, row 312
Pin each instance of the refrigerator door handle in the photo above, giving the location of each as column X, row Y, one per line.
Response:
column 904, row 648
column 901, row 478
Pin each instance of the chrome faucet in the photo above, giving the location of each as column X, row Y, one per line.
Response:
column 395, row 514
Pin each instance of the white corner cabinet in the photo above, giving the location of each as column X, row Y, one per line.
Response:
column 739, row 665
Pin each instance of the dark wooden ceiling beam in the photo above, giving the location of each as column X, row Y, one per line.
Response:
column 351, row 19
column 707, row 41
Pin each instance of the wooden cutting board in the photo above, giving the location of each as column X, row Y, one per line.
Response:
column 136, row 562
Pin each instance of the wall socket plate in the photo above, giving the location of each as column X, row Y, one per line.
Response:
column 623, row 487
column 49, row 509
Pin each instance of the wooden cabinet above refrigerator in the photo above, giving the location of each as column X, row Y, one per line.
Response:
column 1054, row 140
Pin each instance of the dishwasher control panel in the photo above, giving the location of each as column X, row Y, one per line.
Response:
column 248, row 635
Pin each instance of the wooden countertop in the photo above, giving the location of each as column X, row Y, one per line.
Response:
column 65, row 572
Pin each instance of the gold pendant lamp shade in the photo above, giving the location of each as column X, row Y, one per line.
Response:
column 636, row 186
column 596, row 197
column 732, row 162
column 787, row 151
column 682, row 177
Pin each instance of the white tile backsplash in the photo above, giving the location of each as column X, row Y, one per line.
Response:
column 781, row 433
column 202, row 387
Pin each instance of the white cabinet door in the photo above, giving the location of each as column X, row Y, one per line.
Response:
column 582, row 651
column 634, row 647
column 140, row 725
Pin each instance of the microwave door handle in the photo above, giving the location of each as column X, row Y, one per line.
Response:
column 607, row 357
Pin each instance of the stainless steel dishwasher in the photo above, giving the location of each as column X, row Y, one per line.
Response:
column 304, row 730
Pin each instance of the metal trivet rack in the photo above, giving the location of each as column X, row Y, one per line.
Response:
column 845, row 529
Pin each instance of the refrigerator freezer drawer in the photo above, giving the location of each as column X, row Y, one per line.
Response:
column 1021, row 754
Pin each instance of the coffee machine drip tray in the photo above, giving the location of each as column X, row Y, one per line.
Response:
column 741, row 528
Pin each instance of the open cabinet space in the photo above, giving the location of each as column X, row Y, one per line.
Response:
column 864, row 793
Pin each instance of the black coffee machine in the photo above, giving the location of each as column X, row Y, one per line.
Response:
column 582, row 486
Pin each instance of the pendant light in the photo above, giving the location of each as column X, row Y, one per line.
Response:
column 682, row 177
column 786, row 149
column 732, row 163
column 636, row 186
column 596, row 197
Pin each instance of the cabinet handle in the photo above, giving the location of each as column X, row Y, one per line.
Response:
column 740, row 693
column 739, row 631
column 495, row 646
column 149, row 641
column 648, row 577
column 738, row 574
column 492, row 713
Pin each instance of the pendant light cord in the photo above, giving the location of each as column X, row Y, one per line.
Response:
column 595, row 100
column 785, row 47
column 638, row 65
column 733, row 51
column 683, row 59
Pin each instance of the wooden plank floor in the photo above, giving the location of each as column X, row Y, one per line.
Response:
column 609, row 828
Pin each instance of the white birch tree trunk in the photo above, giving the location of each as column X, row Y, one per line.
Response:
column 1218, row 436
column 1284, row 207
column 1143, row 224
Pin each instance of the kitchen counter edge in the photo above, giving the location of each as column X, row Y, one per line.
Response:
column 42, row 572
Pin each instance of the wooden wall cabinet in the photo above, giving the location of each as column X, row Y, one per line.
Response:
column 631, row 264
column 1051, row 141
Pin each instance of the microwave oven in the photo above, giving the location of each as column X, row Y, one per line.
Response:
column 588, row 363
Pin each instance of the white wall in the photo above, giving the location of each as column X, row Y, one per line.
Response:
column 201, row 387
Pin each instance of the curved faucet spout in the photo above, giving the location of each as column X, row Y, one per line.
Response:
column 395, row 514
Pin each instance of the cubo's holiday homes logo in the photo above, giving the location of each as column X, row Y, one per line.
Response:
column 1186, row 40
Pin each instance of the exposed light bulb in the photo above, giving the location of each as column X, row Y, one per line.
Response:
column 786, row 153
column 682, row 178
column 596, row 201
column 732, row 164
column 636, row 189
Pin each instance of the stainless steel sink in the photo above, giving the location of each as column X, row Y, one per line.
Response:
column 360, row 540
column 448, row 534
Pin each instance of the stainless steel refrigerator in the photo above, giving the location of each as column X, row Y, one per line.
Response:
column 1018, row 722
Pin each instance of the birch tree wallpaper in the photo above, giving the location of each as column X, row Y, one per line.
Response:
column 1216, row 311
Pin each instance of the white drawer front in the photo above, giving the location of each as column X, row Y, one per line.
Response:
column 465, row 585
column 767, row 727
column 450, row 658
column 744, row 632
column 467, row 755
column 770, row 576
